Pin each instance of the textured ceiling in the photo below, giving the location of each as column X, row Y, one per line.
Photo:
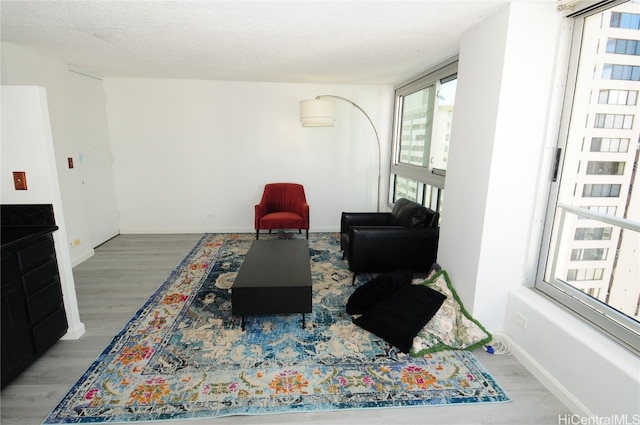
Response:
column 356, row 42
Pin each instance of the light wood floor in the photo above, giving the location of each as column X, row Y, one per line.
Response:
column 125, row 271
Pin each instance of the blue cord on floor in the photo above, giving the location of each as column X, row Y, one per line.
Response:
column 499, row 347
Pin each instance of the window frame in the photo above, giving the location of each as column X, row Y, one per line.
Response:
column 620, row 328
column 433, row 180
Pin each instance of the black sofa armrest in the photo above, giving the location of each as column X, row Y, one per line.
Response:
column 383, row 248
column 350, row 219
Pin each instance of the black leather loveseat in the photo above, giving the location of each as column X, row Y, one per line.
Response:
column 407, row 237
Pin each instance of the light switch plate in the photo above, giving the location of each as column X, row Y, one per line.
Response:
column 20, row 180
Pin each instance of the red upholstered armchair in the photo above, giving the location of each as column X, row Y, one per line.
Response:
column 283, row 206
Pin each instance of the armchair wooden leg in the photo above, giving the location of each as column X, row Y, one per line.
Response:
column 257, row 234
column 307, row 233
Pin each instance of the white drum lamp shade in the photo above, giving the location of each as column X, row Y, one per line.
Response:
column 317, row 113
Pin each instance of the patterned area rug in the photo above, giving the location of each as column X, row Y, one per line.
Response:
column 184, row 356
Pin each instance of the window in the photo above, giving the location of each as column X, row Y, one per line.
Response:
column 623, row 47
column 593, row 234
column 589, row 260
column 422, row 126
column 621, row 72
column 609, row 144
column 613, row 121
column 625, row 20
column 601, row 191
column 585, row 274
column 406, row 188
column 589, row 254
column 618, row 97
column 609, row 168
column 604, row 209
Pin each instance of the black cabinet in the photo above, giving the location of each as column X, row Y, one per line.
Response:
column 33, row 315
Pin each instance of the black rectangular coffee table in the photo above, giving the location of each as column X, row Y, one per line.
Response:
column 275, row 278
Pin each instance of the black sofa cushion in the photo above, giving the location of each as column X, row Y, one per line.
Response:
column 377, row 289
column 399, row 317
column 408, row 214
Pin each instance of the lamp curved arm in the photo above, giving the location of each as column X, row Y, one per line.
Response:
column 322, row 96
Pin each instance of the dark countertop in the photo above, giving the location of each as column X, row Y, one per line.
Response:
column 13, row 235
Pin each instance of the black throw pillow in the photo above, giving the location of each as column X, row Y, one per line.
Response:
column 398, row 318
column 408, row 214
column 378, row 288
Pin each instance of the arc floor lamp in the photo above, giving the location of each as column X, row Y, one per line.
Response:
column 321, row 112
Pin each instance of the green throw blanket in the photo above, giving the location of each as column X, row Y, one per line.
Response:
column 452, row 327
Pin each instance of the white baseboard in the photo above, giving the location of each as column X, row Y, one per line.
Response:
column 76, row 332
column 158, row 231
column 548, row 380
column 85, row 256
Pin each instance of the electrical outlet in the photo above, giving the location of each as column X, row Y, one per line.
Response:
column 20, row 180
column 75, row 242
column 520, row 320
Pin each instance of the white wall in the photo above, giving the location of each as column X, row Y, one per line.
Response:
column 23, row 147
column 194, row 156
column 26, row 145
column 504, row 125
column 587, row 371
column 471, row 154
column 497, row 145
column 78, row 125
